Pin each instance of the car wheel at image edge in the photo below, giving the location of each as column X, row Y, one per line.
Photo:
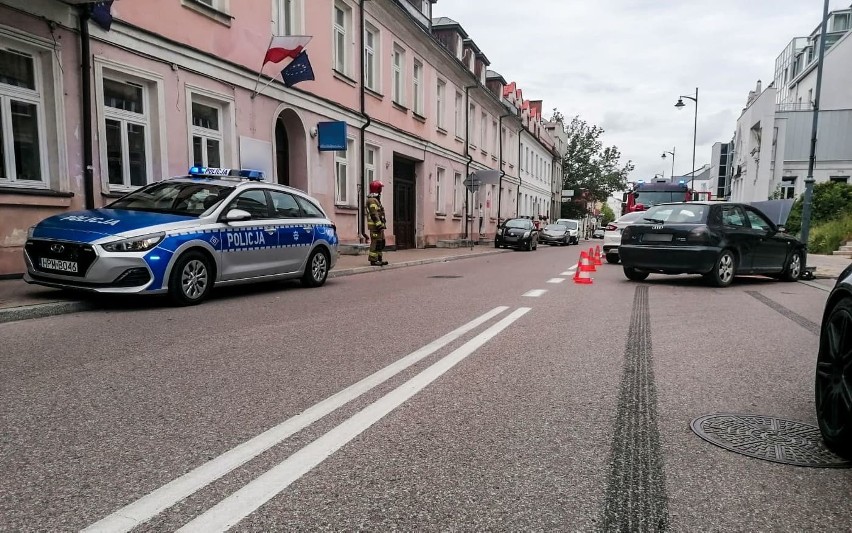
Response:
column 612, row 258
column 723, row 271
column 635, row 275
column 793, row 268
column 833, row 414
column 316, row 269
column 191, row 279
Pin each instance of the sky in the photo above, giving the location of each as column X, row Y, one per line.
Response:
column 622, row 64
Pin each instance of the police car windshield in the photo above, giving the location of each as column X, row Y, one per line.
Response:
column 174, row 197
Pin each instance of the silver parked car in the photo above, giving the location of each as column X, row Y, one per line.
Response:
column 184, row 235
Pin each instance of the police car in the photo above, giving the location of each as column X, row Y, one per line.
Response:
column 182, row 236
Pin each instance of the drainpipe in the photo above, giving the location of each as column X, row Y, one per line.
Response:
column 86, row 74
column 467, row 195
column 520, row 178
column 363, row 185
column 502, row 172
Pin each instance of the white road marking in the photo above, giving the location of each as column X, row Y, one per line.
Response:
column 152, row 504
column 569, row 272
column 555, row 280
column 535, row 293
column 252, row 496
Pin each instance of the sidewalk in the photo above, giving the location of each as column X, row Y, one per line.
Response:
column 19, row 300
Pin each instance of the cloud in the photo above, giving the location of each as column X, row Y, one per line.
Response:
column 621, row 64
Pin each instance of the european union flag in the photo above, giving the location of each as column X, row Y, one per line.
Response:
column 298, row 70
column 101, row 14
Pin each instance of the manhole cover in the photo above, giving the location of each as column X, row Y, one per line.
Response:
column 768, row 438
column 444, row 277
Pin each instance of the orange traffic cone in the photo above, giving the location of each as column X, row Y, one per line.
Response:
column 583, row 268
column 590, row 259
column 598, row 261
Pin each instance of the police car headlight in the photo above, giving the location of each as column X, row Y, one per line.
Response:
column 30, row 232
column 135, row 244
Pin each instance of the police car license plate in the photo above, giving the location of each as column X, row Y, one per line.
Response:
column 58, row 264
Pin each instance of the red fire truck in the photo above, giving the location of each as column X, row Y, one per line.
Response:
column 644, row 195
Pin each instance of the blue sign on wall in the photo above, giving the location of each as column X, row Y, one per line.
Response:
column 332, row 136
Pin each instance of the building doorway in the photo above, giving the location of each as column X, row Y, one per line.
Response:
column 404, row 202
column 291, row 154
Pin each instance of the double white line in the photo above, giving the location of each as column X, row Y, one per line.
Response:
column 252, row 496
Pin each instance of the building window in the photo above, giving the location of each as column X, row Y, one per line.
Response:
column 494, row 136
column 459, row 115
column 440, row 96
column 398, row 81
column 418, row 87
column 471, row 125
column 127, row 132
column 207, row 137
column 439, row 190
column 22, row 134
column 370, row 158
column 788, row 187
column 342, row 18
column 483, row 133
column 839, row 179
column 458, row 191
column 342, row 182
column 287, row 17
column 371, row 51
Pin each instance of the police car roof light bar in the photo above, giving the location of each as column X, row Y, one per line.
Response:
column 245, row 173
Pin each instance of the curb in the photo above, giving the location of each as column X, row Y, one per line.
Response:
column 366, row 269
column 26, row 312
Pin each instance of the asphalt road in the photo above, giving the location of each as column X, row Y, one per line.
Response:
column 437, row 397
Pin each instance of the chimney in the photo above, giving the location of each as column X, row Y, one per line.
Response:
column 759, row 86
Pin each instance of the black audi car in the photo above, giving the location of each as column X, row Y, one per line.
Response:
column 833, row 385
column 517, row 233
column 714, row 239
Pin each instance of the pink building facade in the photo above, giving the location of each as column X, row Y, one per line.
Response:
column 172, row 84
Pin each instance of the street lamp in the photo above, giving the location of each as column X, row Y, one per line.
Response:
column 679, row 105
column 673, row 158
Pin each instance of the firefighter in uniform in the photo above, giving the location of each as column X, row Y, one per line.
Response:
column 376, row 223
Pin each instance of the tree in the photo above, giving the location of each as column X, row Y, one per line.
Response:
column 607, row 215
column 830, row 202
column 587, row 164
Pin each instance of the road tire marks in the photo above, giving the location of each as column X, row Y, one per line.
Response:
column 636, row 497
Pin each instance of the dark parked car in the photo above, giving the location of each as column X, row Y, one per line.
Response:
column 833, row 385
column 555, row 234
column 717, row 240
column 517, row 233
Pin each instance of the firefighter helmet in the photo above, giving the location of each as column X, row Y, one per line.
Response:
column 376, row 187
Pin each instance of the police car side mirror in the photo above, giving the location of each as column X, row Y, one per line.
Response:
column 236, row 215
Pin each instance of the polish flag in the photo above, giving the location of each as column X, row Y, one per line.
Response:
column 283, row 46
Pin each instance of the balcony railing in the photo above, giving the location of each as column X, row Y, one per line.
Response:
column 794, row 106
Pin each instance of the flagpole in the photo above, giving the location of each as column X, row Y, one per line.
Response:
column 264, row 87
column 260, row 73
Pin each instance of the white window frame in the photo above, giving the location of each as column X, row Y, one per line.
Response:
column 340, row 38
column 398, row 76
column 344, row 196
column 471, row 125
column 23, row 95
column 227, row 120
column 440, row 175
column 440, row 103
column 417, row 86
column 788, row 187
column 459, row 114
column 372, row 168
column 287, row 17
column 125, row 119
column 483, row 135
column 458, row 188
column 372, row 57
column 495, row 129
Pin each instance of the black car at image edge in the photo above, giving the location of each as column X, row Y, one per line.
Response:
column 519, row 233
column 833, row 383
column 717, row 240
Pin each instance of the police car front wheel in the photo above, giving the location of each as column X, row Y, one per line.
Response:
column 316, row 269
column 191, row 279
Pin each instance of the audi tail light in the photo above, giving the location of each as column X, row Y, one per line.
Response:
column 611, row 227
